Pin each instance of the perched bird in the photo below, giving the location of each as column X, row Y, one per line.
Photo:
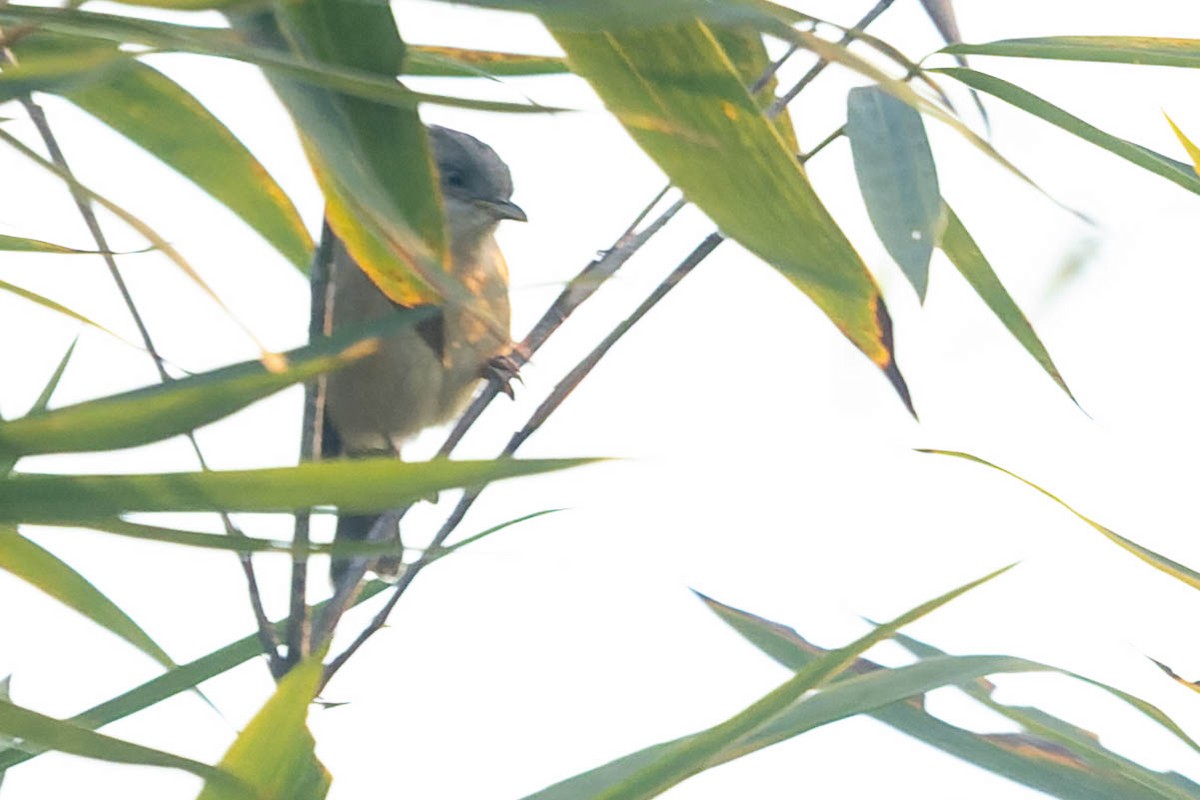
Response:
column 424, row 375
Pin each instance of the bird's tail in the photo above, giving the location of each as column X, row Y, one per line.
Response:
column 350, row 528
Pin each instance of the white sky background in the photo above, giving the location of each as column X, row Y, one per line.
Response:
column 764, row 461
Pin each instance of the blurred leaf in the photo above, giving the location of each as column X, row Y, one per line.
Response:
column 17, row 244
column 43, row 400
column 58, row 308
column 681, row 100
column 966, row 256
column 440, row 61
column 1159, row 562
column 38, row 730
column 1083, row 742
column 40, row 568
column 164, row 410
column 92, row 26
column 942, row 14
column 1170, row 673
column 176, row 681
column 448, row 549
column 1192, row 150
column 236, row 544
column 1169, row 168
column 275, row 753
column 160, row 116
column 7, row 462
column 129, row 219
column 372, row 161
column 626, row 15
column 748, row 53
column 59, row 71
column 652, row 771
column 1029, row 759
column 1147, row 50
column 897, row 177
column 359, row 485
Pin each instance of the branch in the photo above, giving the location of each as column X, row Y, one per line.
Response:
column 266, row 632
column 581, row 287
column 543, row 412
column 299, row 638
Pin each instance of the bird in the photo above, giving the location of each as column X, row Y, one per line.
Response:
column 425, row 374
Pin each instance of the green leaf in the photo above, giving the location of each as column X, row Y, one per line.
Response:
column 59, row 71
column 969, row 260
column 1176, row 570
column 377, row 154
column 38, row 730
column 41, row 569
column 1083, row 742
column 453, row 62
column 677, row 94
column 241, row 544
column 129, row 219
column 357, row 486
column 745, row 49
column 1175, row 171
column 1032, row 760
column 1147, row 50
column 653, row 771
column 448, row 549
column 160, row 116
column 7, row 462
column 18, row 244
column 897, row 178
column 164, row 410
column 1192, row 150
column 57, row 308
column 275, row 752
column 91, row 26
column 176, row 681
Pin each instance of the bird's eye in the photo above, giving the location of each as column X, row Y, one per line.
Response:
column 453, row 178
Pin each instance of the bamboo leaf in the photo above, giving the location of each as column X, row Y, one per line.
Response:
column 650, row 772
column 1027, row 758
column 7, row 462
column 59, row 308
column 18, row 244
column 38, row 730
column 1146, row 50
column 451, row 62
column 164, row 410
column 1175, row 171
column 969, row 260
column 676, row 93
column 897, row 177
column 1192, row 150
column 275, row 753
column 163, row 118
column 1163, row 564
column 41, row 569
column 356, row 486
column 173, row 682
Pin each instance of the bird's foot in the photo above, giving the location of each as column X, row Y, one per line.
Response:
column 502, row 370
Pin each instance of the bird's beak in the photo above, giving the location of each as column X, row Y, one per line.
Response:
column 503, row 209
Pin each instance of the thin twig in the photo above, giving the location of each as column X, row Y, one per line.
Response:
column 298, row 634
column 266, row 632
column 578, row 290
column 560, row 393
column 828, row 140
column 849, row 36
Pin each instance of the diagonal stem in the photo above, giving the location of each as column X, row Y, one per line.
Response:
column 580, row 288
column 266, row 632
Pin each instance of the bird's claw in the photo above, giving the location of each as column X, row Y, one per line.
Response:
column 502, row 370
